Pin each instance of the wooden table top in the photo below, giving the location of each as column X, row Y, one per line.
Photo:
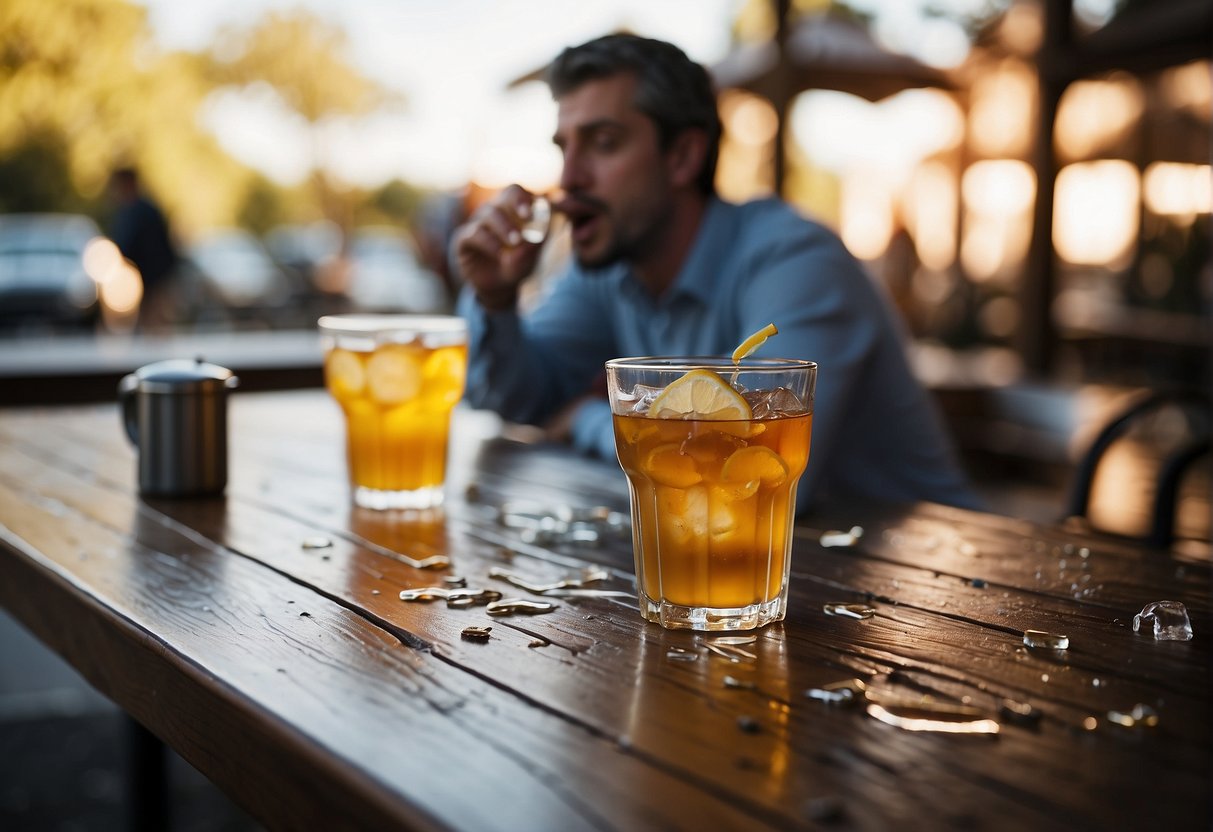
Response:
column 299, row 682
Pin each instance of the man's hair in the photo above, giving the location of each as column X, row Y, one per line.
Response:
column 672, row 90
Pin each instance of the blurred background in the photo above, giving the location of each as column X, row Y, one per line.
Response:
column 1029, row 179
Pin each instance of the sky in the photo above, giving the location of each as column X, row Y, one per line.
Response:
column 453, row 59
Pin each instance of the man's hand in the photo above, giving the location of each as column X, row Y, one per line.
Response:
column 492, row 256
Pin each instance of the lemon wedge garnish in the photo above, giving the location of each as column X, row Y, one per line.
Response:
column 700, row 394
column 747, row 347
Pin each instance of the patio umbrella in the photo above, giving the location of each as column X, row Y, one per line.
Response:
column 820, row 52
column 824, row 52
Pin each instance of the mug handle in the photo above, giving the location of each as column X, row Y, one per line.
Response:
column 126, row 397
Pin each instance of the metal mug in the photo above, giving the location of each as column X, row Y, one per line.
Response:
column 175, row 413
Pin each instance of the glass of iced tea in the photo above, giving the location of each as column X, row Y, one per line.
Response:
column 397, row 378
column 713, row 451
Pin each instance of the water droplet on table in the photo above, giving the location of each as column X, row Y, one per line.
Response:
column 731, row 652
column 681, row 654
column 848, row 610
column 317, row 542
column 738, row 684
column 846, row 692
column 1023, row 713
column 1168, row 618
column 519, row 606
column 1140, row 716
column 1043, row 640
column 836, row 538
column 934, row 718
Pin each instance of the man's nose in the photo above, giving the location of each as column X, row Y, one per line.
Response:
column 575, row 174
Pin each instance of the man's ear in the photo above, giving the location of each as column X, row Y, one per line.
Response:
column 686, row 156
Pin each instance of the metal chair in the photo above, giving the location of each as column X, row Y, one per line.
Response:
column 1195, row 404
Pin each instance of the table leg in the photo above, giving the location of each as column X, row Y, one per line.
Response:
column 147, row 779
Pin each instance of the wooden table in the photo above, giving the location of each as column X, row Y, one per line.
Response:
column 299, row 682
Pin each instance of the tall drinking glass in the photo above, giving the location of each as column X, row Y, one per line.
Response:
column 713, row 452
column 397, row 378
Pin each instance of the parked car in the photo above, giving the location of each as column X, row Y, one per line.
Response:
column 386, row 276
column 42, row 276
column 240, row 274
column 305, row 247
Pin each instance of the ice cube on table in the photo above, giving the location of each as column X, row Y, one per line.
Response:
column 1169, row 619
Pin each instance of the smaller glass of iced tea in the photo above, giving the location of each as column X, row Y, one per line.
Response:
column 397, row 379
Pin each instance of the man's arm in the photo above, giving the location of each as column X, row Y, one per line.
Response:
column 526, row 368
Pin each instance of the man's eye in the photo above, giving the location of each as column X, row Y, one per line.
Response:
column 605, row 143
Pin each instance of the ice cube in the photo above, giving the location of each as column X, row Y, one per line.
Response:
column 642, row 397
column 1169, row 618
column 780, row 401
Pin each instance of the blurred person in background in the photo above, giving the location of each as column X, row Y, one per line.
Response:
column 662, row 266
column 141, row 232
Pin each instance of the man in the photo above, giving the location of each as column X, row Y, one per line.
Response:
column 141, row 232
column 664, row 267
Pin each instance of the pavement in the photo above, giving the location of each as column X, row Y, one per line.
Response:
column 62, row 764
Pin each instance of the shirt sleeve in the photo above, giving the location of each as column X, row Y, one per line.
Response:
column 827, row 310
column 525, row 368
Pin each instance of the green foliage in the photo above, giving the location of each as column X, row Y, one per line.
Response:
column 397, row 201
column 84, row 89
column 34, row 177
column 264, row 206
column 303, row 58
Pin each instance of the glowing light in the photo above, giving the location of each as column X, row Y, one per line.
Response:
column 998, row 197
column 749, row 119
column 866, row 216
column 1022, row 28
column 1189, row 87
column 101, row 260
column 1095, row 211
column 984, row 249
column 1094, row 113
column 932, row 210
column 999, row 187
column 1001, row 115
column 123, row 290
column 1174, row 189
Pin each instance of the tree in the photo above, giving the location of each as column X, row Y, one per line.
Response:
column 304, row 59
column 83, row 89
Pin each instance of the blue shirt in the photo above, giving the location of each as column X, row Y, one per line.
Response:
column 876, row 433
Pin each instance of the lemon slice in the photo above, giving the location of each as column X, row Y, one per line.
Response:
column 747, row 347
column 444, row 374
column 667, row 465
column 700, row 394
column 344, row 374
column 756, row 462
column 393, row 374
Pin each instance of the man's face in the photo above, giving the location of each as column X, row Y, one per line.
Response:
column 614, row 176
